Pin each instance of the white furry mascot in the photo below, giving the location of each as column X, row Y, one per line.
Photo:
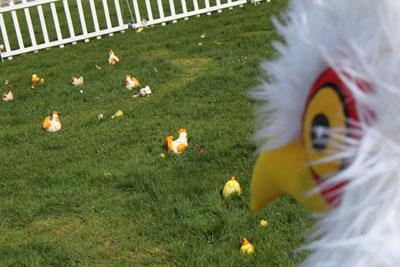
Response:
column 330, row 129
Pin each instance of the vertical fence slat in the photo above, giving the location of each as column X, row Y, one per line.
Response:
column 208, row 6
column 107, row 14
column 30, row 27
column 56, row 22
column 218, row 3
column 69, row 20
column 196, row 5
column 16, row 26
column 230, row 2
column 160, row 10
column 94, row 16
column 4, row 33
column 43, row 24
column 172, row 8
column 119, row 15
column 82, row 18
column 136, row 8
column 184, row 8
column 149, row 12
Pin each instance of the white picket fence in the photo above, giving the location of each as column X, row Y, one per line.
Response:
column 31, row 25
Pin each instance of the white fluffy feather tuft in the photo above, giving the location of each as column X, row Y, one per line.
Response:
column 360, row 38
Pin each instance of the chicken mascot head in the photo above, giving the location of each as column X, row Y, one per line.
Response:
column 329, row 130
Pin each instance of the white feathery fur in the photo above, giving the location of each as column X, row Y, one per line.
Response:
column 360, row 38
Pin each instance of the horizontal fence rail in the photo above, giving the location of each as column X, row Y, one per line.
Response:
column 31, row 25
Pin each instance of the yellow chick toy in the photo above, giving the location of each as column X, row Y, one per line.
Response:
column 52, row 124
column 8, row 96
column 131, row 82
column 247, row 247
column 113, row 58
column 179, row 144
column 231, row 187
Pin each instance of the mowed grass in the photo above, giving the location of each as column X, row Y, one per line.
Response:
column 97, row 193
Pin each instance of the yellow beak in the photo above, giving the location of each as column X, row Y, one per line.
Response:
column 281, row 171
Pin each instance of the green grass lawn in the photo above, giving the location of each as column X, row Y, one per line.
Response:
column 97, row 193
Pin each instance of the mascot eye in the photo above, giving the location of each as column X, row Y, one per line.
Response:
column 319, row 132
column 326, row 123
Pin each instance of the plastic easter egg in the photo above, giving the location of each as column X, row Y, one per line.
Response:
column 231, row 187
column 263, row 223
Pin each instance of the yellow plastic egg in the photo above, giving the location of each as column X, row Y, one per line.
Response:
column 231, row 187
column 263, row 223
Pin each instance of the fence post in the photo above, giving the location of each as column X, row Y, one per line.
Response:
column 161, row 11
column 149, row 11
column 30, row 27
column 208, row 6
column 218, row 2
column 94, row 16
column 172, row 8
column 43, row 24
column 184, row 8
column 107, row 14
column 230, row 2
column 69, row 20
column 82, row 19
column 196, row 6
column 119, row 15
column 56, row 22
column 137, row 13
column 16, row 26
column 4, row 33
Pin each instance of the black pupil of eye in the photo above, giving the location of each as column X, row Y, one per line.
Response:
column 320, row 132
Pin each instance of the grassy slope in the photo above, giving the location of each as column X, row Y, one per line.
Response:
column 97, row 193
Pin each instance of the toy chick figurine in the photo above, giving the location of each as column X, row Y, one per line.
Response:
column 52, row 124
column 247, row 247
column 131, row 82
column 113, row 58
column 8, row 96
column 178, row 145
column 77, row 81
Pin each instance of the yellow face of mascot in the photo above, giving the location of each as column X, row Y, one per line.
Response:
column 303, row 166
column 329, row 127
